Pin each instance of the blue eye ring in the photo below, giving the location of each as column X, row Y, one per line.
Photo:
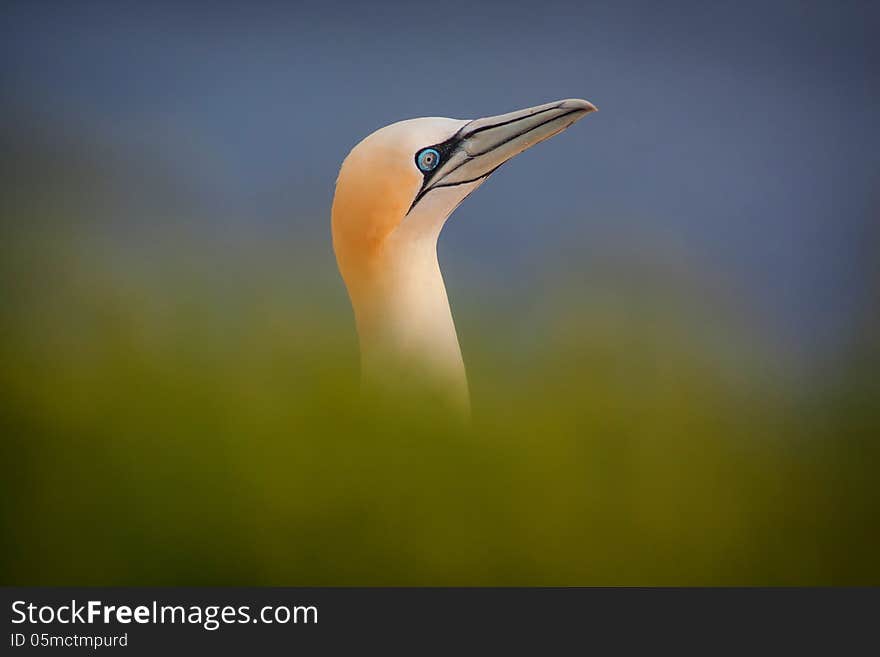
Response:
column 427, row 159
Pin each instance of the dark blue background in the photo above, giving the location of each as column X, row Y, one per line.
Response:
column 739, row 138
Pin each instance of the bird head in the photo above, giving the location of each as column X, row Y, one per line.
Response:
column 398, row 186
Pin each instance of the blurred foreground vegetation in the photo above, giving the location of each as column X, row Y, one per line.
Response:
column 196, row 421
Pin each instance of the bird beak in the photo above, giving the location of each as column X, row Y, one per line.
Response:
column 483, row 145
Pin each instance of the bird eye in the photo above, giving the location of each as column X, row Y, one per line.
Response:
column 428, row 159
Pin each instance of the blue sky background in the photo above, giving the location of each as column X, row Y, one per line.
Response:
column 739, row 136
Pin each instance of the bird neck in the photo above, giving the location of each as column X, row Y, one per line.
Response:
column 407, row 334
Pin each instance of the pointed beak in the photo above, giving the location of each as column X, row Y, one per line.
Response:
column 483, row 145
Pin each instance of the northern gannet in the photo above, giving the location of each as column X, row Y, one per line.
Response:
column 394, row 192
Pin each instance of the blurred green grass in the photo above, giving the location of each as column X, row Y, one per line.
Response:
column 188, row 413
